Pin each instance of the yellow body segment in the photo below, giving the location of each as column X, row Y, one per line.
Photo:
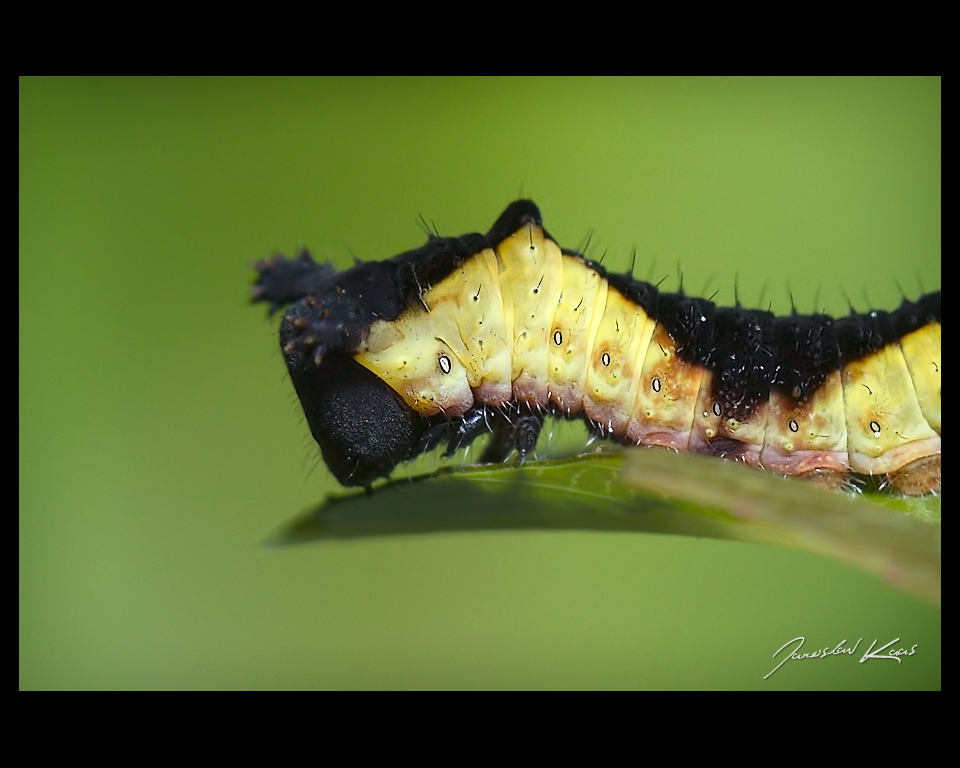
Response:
column 420, row 367
column 707, row 416
column 886, row 429
column 616, row 360
column 719, row 434
column 531, row 282
column 807, row 434
column 921, row 351
column 575, row 325
column 750, row 432
column 666, row 396
column 466, row 313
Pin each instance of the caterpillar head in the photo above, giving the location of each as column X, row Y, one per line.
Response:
column 362, row 426
column 377, row 372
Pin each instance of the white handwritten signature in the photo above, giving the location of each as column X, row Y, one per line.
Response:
column 840, row 650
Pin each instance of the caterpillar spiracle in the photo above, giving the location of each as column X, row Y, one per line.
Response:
column 493, row 333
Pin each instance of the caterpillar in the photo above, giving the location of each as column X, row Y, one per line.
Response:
column 493, row 333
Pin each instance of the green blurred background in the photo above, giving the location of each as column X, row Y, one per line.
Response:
column 160, row 441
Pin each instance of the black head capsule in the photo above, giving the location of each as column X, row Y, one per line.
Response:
column 364, row 428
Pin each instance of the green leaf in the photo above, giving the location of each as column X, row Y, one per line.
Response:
column 651, row 491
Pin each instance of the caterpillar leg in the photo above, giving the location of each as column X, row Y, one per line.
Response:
column 527, row 431
column 432, row 438
column 501, row 444
column 475, row 422
column 919, row 477
column 825, row 477
column 519, row 433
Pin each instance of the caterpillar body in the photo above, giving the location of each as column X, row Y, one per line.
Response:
column 492, row 333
